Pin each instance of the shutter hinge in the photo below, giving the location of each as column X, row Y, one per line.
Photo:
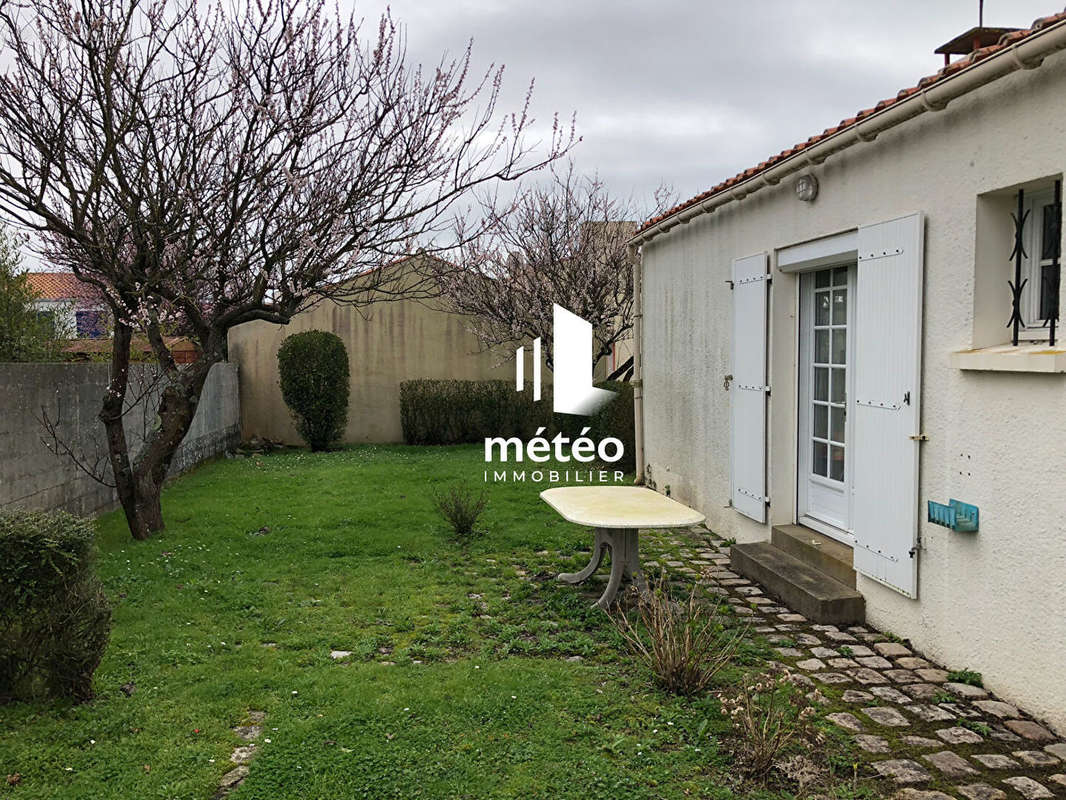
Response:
column 895, row 251
column 753, row 495
column 753, row 278
column 919, row 437
column 877, row 551
column 917, row 546
column 753, row 387
column 878, row 404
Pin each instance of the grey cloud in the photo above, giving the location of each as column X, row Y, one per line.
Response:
column 692, row 92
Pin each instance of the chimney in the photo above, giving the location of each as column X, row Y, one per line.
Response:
column 973, row 39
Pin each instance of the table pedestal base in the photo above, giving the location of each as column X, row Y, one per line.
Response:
column 625, row 562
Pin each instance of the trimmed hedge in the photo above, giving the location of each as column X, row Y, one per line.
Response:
column 454, row 412
column 313, row 366
column 55, row 621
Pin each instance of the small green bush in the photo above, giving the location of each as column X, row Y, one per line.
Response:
column 455, row 412
column 461, row 507
column 55, row 621
column 314, row 382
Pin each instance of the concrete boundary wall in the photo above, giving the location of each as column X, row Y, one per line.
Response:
column 31, row 476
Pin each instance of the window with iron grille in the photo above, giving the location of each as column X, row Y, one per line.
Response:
column 1035, row 259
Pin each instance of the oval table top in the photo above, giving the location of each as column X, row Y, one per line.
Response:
column 619, row 507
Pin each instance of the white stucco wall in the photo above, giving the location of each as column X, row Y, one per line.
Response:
column 63, row 311
column 994, row 601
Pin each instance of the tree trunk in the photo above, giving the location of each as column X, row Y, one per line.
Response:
column 111, row 414
column 177, row 408
column 140, row 483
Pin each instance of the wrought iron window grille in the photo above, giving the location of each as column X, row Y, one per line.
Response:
column 1050, row 245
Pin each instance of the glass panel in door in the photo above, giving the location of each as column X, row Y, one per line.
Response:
column 829, row 376
column 826, row 354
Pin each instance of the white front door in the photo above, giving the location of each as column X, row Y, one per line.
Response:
column 825, row 398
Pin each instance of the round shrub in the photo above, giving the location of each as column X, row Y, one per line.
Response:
column 55, row 621
column 314, row 382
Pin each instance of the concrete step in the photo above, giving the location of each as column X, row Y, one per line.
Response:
column 798, row 585
column 820, row 551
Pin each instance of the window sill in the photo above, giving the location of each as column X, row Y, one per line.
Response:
column 1006, row 358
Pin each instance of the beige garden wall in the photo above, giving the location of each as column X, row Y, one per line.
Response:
column 387, row 342
column 995, row 601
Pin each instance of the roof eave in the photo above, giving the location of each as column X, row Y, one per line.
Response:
column 1027, row 53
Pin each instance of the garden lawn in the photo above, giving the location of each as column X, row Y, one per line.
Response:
column 461, row 680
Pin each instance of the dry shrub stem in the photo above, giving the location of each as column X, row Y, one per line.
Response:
column 684, row 645
column 767, row 716
column 462, row 508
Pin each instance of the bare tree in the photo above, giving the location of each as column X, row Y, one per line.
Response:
column 564, row 242
column 207, row 164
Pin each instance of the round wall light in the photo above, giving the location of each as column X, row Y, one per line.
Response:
column 806, row 188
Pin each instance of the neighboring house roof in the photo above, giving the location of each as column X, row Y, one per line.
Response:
column 182, row 348
column 1005, row 48
column 64, row 287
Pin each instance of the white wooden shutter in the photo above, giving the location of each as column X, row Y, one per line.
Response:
column 750, row 281
column 888, row 349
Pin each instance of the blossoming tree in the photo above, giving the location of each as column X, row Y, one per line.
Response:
column 207, row 164
column 564, row 241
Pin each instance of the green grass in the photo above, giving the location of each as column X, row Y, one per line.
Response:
column 270, row 562
column 967, row 676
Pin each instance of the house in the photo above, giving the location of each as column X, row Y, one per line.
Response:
column 75, row 307
column 79, row 313
column 850, row 359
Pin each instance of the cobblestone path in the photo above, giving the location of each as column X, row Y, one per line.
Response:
column 925, row 737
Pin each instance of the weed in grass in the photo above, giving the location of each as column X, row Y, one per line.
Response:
column 802, row 771
column 842, row 763
column 461, row 507
column 855, row 790
column 967, row 676
column 684, row 645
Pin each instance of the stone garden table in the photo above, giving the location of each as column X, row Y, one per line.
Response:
column 616, row 514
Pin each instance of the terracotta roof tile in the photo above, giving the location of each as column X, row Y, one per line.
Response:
column 948, row 70
column 62, row 286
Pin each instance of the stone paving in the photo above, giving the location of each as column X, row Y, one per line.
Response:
column 250, row 732
column 924, row 736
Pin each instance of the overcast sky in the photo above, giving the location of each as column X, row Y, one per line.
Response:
column 691, row 92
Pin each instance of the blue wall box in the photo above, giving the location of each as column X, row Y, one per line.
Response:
column 956, row 515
